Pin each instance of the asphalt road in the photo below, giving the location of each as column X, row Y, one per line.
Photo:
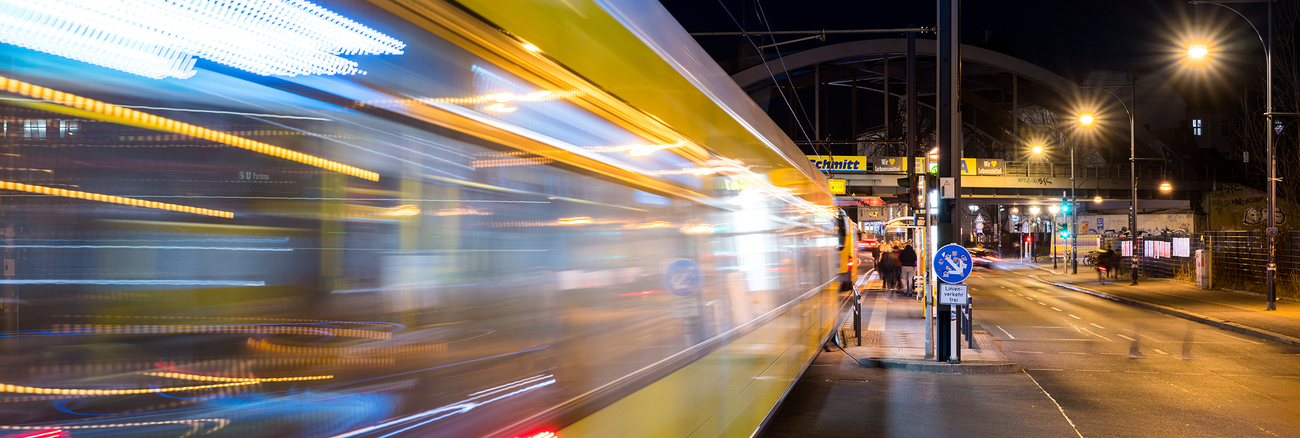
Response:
column 1093, row 368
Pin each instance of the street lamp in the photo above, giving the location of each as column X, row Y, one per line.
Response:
column 1132, row 159
column 1199, row 51
column 1038, row 149
column 1054, row 209
column 1096, row 199
column 1166, row 187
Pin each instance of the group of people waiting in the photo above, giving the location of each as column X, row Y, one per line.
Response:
column 896, row 264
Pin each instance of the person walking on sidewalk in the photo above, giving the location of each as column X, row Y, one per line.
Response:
column 907, row 258
column 888, row 268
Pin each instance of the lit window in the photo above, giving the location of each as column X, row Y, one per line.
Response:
column 34, row 129
column 1196, row 127
column 69, row 128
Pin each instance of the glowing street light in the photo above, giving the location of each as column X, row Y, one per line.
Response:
column 1087, row 119
column 1096, row 199
column 1034, row 210
column 1054, row 209
column 1197, row 51
column 1165, row 187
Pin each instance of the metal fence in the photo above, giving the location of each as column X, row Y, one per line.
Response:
column 1239, row 259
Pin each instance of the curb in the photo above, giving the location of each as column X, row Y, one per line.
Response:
column 940, row 367
column 1207, row 320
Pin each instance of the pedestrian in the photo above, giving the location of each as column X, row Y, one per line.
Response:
column 1107, row 260
column 907, row 258
column 888, row 268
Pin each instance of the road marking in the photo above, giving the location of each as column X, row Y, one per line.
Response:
column 1005, row 331
column 1097, row 335
column 1029, row 298
column 1058, row 310
column 1040, row 302
column 1097, row 326
column 1071, row 352
column 1058, row 406
column 1072, row 316
column 1240, row 339
column 1157, row 350
column 1126, row 337
column 1018, row 293
column 1028, row 352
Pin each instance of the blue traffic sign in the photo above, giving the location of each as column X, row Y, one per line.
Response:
column 952, row 263
column 682, row 277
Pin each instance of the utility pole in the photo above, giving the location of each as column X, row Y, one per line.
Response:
column 949, row 128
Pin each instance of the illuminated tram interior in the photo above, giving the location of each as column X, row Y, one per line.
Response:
column 396, row 218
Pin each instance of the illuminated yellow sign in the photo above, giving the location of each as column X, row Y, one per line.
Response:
column 840, row 163
column 839, row 186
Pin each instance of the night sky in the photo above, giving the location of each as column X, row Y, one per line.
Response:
column 1067, row 37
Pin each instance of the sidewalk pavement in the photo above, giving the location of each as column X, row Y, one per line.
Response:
column 893, row 336
column 1241, row 312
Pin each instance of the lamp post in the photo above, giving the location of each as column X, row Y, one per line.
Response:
column 1198, row 51
column 1054, row 209
column 1132, row 160
column 1033, row 247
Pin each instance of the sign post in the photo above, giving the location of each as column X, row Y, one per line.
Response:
column 952, row 265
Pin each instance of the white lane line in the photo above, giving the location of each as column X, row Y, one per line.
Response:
column 1058, row 406
column 1028, row 352
column 1239, row 339
column 1157, row 350
column 1040, row 302
column 1097, row 326
column 1005, row 331
column 1018, row 293
column 1058, row 310
column 1097, row 335
column 1072, row 316
column 1029, row 298
column 1126, row 337
column 1071, row 352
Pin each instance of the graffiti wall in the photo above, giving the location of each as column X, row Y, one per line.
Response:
column 1237, row 207
column 1151, row 224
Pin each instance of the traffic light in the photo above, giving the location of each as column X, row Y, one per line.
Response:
column 1063, row 230
column 1065, row 206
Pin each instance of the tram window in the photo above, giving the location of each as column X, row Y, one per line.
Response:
column 33, row 129
column 840, row 232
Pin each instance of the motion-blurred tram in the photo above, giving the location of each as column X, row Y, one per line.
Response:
column 495, row 218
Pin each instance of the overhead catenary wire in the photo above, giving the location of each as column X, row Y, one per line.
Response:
column 773, row 76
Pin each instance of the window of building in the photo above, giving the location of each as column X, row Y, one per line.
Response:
column 69, row 128
column 1196, row 127
column 34, row 129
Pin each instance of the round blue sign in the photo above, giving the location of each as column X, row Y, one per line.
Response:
column 952, row 263
column 682, row 277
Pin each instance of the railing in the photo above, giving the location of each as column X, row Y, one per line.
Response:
column 1109, row 171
